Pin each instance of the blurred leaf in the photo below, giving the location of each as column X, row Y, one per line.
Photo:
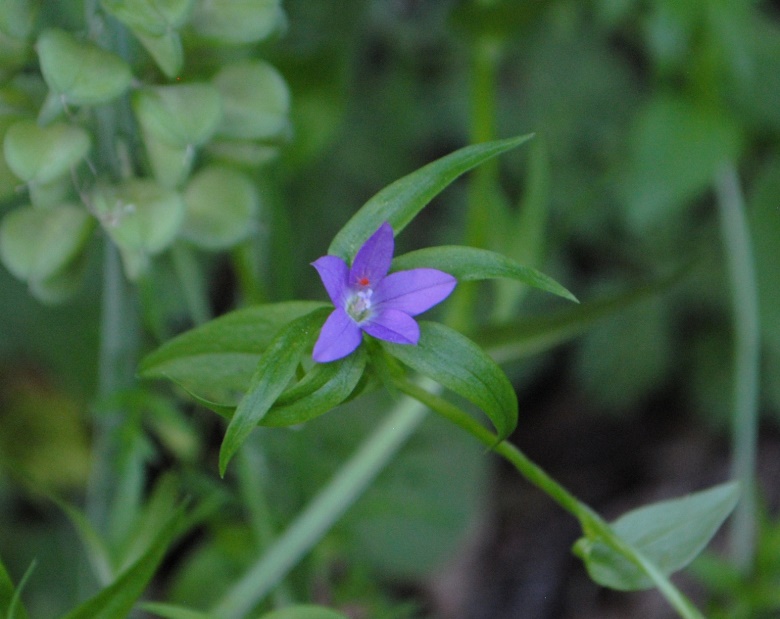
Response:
column 274, row 371
column 118, row 599
column 469, row 264
column 154, row 17
column 399, row 202
column 166, row 49
column 10, row 606
column 304, row 611
column 216, row 361
column 669, row 534
column 171, row 611
column 227, row 21
column 460, row 365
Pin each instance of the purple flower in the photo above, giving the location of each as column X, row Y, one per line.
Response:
column 368, row 299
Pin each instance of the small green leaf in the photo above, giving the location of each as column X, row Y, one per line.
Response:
column 669, row 534
column 460, row 365
column 302, row 403
column 256, row 101
column 470, row 263
column 118, row 599
column 399, row 202
column 304, row 611
column 221, row 206
column 10, row 606
column 228, row 21
column 80, row 71
column 37, row 244
column 42, row 154
column 166, row 49
column 179, row 115
column 154, row 17
column 274, row 371
column 216, row 361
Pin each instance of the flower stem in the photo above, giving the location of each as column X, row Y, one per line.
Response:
column 323, row 511
column 592, row 524
column 744, row 296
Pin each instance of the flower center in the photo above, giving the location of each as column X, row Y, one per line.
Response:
column 358, row 306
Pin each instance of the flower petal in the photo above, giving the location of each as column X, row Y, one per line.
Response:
column 373, row 259
column 413, row 291
column 340, row 335
column 393, row 326
column 333, row 273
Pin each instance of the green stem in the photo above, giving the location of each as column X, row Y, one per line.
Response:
column 592, row 524
column 191, row 280
column 323, row 511
column 744, row 297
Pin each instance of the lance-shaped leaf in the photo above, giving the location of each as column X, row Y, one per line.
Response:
column 274, row 371
column 399, row 202
column 10, row 606
column 458, row 364
column 470, row 263
column 669, row 534
column 215, row 362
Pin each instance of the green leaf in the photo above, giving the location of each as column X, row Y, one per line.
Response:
column 469, row 264
column 228, row 21
column 304, row 611
column 42, row 154
column 460, row 365
column 154, row 17
column 166, row 49
column 300, row 403
column 10, row 606
column 216, row 361
column 171, row 611
column 274, row 371
column 80, row 71
column 399, row 202
column 669, row 534
column 118, row 599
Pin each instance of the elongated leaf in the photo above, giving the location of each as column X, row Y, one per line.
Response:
column 459, row 364
column 304, row 611
column 10, row 606
column 118, row 599
column 670, row 534
column 343, row 377
column 171, row 611
column 470, row 263
column 215, row 362
column 531, row 335
column 399, row 202
column 274, row 371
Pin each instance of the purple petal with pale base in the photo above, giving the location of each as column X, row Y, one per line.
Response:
column 372, row 261
column 340, row 335
column 413, row 291
column 333, row 273
column 393, row 326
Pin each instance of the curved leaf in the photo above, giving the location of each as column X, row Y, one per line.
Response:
column 458, row 364
column 669, row 534
column 274, row 371
column 215, row 361
column 10, row 607
column 399, row 202
column 469, row 264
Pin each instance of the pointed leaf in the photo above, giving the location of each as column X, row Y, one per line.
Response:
column 216, row 361
column 399, row 202
column 669, row 534
column 470, row 263
column 118, row 599
column 10, row 607
column 460, row 365
column 274, row 371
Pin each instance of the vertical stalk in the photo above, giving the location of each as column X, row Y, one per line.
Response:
column 744, row 298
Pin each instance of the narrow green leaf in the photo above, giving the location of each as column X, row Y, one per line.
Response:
column 342, row 378
column 171, row 611
column 118, row 599
column 527, row 336
column 274, row 371
column 304, row 611
column 460, row 365
column 10, row 606
column 215, row 362
column 470, row 264
column 399, row 202
column 669, row 534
